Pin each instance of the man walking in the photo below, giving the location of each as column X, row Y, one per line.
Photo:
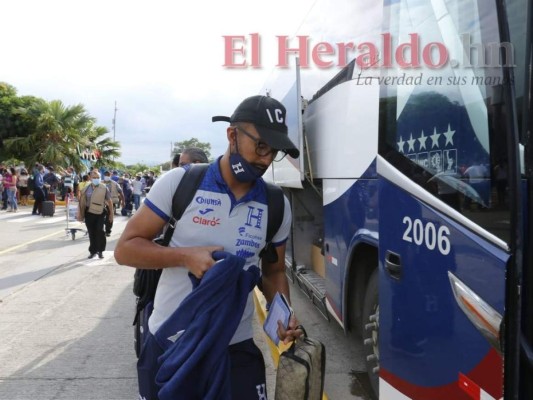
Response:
column 229, row 212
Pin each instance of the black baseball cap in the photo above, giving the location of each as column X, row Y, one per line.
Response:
column 268, row 116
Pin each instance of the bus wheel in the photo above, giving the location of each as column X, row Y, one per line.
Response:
column 371, row 331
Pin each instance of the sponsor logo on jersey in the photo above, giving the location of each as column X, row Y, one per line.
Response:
column 207, row 201
column 206, row 211
column 243, row 233
column 206, row 221
column 244, row 253
column 248, row 243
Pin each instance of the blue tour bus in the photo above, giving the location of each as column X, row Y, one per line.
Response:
column 411, row 198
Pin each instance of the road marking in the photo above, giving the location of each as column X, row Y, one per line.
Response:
column 50, row 220
column 30, row 242
column 20, row 220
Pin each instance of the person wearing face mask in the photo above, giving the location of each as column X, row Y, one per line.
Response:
column 229, row 212
column 92, row 209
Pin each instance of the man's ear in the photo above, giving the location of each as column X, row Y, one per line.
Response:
column 231, row 133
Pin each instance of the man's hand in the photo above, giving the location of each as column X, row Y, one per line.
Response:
column 291, row 333
column 200, row 259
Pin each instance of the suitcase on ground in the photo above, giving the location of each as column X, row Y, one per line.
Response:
column 52, row 197
column 48, row 208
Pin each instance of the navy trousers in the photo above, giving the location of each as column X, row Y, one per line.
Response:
column 248, row 378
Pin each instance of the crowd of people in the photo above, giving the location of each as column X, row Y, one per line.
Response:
column 99, row 194
column 19, row 186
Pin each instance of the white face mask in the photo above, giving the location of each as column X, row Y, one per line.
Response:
column 107, row 178
column 96, row 181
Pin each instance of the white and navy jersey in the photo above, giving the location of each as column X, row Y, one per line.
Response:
column 213, row 218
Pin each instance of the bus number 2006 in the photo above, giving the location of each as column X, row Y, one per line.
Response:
column 427, row 234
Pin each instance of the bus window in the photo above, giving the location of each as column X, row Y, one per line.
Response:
column 445, row 127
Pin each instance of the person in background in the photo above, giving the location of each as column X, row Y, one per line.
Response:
column 127, row 190
column 175, row 161
column 51, row 183
column 192, row 155
column 10, row 184
column 3, row 190
column 85, row 180
column 149, row 180
column 114, row 176
column 24, row 190
column 117, row 195
column 117, row 198
column 137, row 187
column 68, row 182
column 92, row 206
column 38, row 190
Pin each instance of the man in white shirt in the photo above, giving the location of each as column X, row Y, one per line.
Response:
column 229, row 211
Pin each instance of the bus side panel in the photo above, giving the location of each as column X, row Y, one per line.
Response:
column 353, row 210
column 426, row 341
column 341, row 128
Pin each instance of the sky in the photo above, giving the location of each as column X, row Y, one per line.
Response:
column 160, row 61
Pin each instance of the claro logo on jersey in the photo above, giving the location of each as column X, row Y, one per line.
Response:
column 206, row 221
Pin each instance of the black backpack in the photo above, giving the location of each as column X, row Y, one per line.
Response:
column 146, row 280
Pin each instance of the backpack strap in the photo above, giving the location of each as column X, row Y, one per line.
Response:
column 276, row 209
column 146, row 280
column 183, row 196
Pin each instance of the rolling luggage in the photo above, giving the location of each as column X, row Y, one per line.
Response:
column 52, row 197
column 48, row 208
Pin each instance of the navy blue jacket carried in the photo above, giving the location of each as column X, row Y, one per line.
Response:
column 195, row 363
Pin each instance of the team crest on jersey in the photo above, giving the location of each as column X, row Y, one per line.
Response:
column 255, row 217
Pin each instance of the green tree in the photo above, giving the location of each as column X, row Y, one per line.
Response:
column 59, row 132
column 165, row 166
column 139, row 167
column 192, row 142
column 17, row 116
column 9, row 101
column 107, row 148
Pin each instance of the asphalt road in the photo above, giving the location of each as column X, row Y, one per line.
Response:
column 65, row 321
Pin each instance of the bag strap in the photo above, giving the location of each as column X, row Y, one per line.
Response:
column 276, row 209
column 183, row 196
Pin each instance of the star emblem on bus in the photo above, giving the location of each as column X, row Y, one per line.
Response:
column 422, row 145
